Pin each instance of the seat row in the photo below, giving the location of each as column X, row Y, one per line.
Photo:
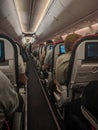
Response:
column 82, row 69
column 13, row 67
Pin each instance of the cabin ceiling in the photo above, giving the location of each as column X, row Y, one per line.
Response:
column 17, row 16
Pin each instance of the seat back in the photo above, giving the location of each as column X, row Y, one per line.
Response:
column 9, row 58
column 83, row 64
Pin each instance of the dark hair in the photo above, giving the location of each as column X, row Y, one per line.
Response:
column 49, row 41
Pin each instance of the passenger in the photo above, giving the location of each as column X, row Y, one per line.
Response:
column 8, row 99
column 21, row 67
column 58, row 39
column 48, row 57
column 63, row 60
column 61, row 68
column 42, row 57
column 41, row 53
column 24, row 54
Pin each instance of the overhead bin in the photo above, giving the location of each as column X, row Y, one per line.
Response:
column 62, row 14
column 9, row 22
column 25, row 16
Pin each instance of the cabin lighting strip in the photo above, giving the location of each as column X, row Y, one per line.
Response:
column 18, row 13
column 42, row 15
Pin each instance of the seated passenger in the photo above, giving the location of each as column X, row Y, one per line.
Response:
column 49, row 55
column 63, row 60
column 42, row 57
column 61, row 68
column 8, row 99
column 21, row 67
column 48, row 60
column 24, row 53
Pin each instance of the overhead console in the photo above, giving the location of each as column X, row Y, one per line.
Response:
column 63, row 15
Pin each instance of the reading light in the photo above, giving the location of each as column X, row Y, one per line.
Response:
column 42, row 15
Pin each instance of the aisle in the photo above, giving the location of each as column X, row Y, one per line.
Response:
column 39, row 115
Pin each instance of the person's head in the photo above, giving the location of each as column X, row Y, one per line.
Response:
column 70, row 40
column 49, row 42
column 58, row 39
